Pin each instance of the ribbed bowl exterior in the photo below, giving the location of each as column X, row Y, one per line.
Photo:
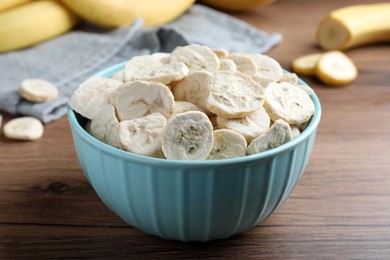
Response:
column 195, row 200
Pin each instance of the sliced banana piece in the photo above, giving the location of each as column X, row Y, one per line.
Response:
column 336, row 68
column 118, row 75
column 188, row 136
column 294, row 131
column 93, row 94
column 262, row 80
column 164, row 74
column 285, row 101
column 137, row 64
column 184, row 106
column 104, row 126
column 244, row 63
column 197, row 88
column 143, row 135
column 23, row 128
column 278, row 134
column 138, row 98
column 288, row 77
column 251, row 126
column 196, row 57
column 306, row 65
column 221, row 53
column 267, row 66
column 38, row 90
column 233, row 95
column 226, row 64
column 227, row 144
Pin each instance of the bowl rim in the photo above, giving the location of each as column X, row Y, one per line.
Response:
column 75, row 125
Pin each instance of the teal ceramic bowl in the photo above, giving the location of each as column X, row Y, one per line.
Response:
column 192, row 200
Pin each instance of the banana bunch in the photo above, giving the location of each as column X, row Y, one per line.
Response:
column 26, row 22
column 236, row 5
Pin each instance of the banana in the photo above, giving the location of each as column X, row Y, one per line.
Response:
column 267, row 66
column 32, row 23
column 335, row 68
column 23, row 128
column 92, row 94
column 143, row 135
column 355, row 25
column 137, row 64
column 139, row 98
column 226, row 64
column 188, row 136
column 221, row 53
column 285, row 101
column 244, row 63
column 38, row 90
column 104, row 126
column 227, row 144
column 108, row 13
column 236, row 5
column 164, row 74
column 306, row 65
column 233, row 94
column 278, row 134
column 8, row 4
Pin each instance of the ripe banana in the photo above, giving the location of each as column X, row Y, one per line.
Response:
column 32, row 23
column 7, row 4
column 108, row 13
column 236, row 5
column 355, row 25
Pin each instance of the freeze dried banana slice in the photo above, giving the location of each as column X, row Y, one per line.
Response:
column 184, row 106
column 221, row 53
column 233, row 94
column 294, row 131
column 267, row 66
column 262, row 80
column 104, row 126
column 227, row 144
column 118, row 75
column 137, row 64
column 23, row 128
column 138, row 98
column 251, row 126
column 288, row 77
column 227, row 64
column 278, row 134
column 93, row 94
column 188, row 136
column 164, row 74
column 197, row 89
column 287, row 102
column 143, row 135
column 38, row 90
column 244, row 63
column 196, row 57
column 163, row 57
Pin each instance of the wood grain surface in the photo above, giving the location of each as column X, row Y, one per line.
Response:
column 339, row 210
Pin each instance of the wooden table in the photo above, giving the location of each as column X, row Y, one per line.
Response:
column 340, row 208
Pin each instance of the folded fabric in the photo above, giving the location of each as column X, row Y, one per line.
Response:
column 73, row 57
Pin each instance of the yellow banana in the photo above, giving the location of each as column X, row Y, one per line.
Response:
column 32, row 23
column 236, row 5
column 7, row 4
column 355, row 25
column 109, row 13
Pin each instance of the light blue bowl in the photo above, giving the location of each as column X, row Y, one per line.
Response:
column 192, row 200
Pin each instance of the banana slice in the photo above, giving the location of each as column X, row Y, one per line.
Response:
column 221, row 53
column 227, row 144
column 184, row 106
column 285, row 101
column 262, row 80
column 196, row 57
column 233, row 94
column 251, row 126
column 138, row 98
column 23, row 128
column 92, row 94
column 143, row 135
column 335, row 68
column 226, row 64
column 118, row 75
column 188, row 136
column 278, row 134
column 104, row 126
column 306, row 65
column 267, row 66
column 294, row 131
column 288, row 77
column 197, row 88
column 163, row 57
column 164, row 74
column 244, row 63
column 137, row 64
column 38, row 90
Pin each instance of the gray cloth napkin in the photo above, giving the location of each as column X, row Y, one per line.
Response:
column 73, row 57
